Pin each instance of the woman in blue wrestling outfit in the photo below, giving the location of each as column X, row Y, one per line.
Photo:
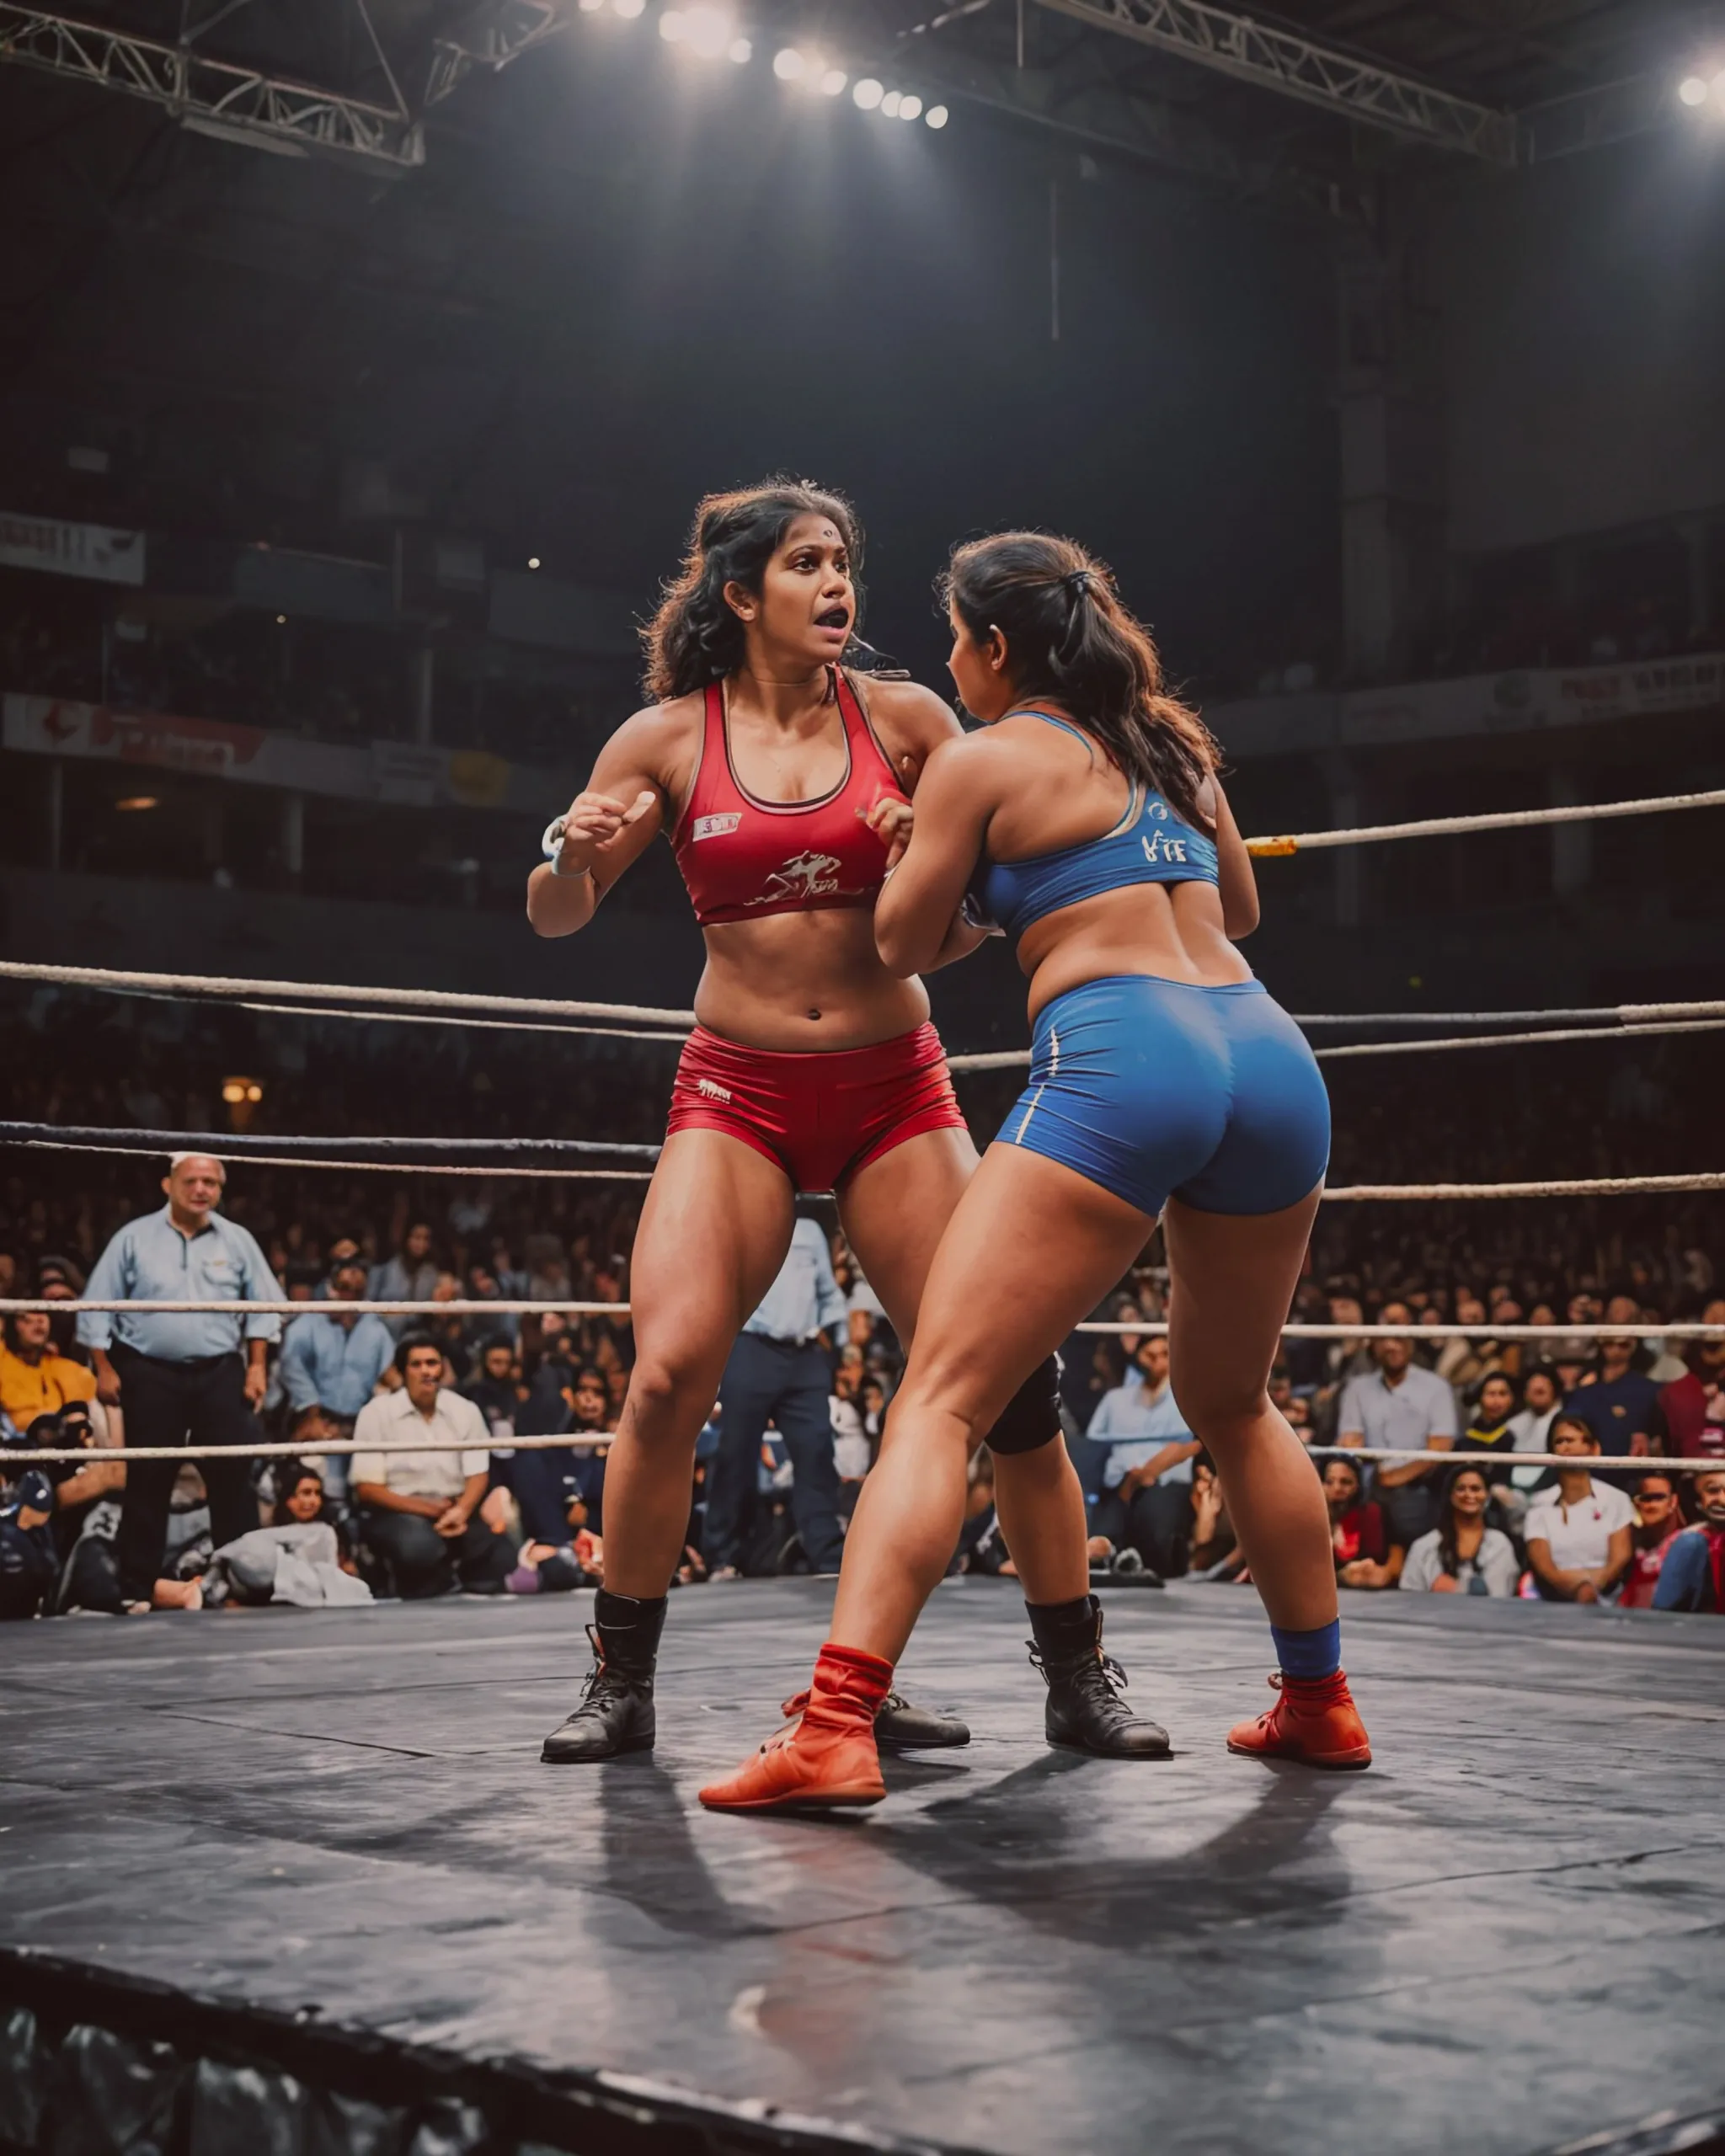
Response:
column 1086, row 819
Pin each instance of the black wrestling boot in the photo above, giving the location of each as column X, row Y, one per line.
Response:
column 900, row 1726
column 1085, row 1712
column 615, row 1713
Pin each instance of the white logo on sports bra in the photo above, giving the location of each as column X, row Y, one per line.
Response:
column 1159, row 848
column 1159, row 809
column 808, row 876
column 716, row 827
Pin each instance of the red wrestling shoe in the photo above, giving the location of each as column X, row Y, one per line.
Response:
column 826, row 1761
column 1315, row 1721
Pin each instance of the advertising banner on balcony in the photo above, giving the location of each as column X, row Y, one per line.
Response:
column 90, row 550
column 402, row 772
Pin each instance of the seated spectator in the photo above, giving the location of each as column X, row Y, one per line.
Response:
column 409, row 1276
column 34, row 1378
column 1541, row 1397
column 1694, row 1405
column 1659, row 1522
column 29, row 1562
column 77, row 1488
column 1212, row 1540
column 982, row 1548
column 497, row 1391
column 1693, row 1575
column 1578, row 1534
column 1367, row 1555
column 1400, row 1408
column 419, row 1508
column 1461, row 1554
column 1489, row 1431
column 304, row 1501
column 303, row 1556
column 334, row 1358
column 1619, row 1403
column 1146, row 1499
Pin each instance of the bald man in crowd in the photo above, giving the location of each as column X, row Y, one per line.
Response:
column 194, row 1379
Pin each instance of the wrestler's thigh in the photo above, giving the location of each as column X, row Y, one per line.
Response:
column 894, row 1211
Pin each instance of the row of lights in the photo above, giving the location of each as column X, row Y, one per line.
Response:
column 1698, row 90
column 711, row 33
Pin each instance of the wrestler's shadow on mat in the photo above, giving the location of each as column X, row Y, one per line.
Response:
column 1028, row 1843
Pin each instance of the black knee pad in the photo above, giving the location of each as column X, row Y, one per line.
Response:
column 1031, row 1418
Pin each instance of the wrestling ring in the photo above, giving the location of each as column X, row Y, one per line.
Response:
column 308, row 1889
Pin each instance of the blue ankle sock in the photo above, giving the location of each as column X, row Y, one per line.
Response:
column 1309, row 1654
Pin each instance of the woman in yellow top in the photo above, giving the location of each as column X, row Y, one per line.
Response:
column 34, row 1380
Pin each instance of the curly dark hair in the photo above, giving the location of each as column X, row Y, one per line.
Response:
column 695, row 637
column 1072, row 640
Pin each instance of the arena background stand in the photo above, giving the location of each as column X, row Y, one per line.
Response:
column 361, row 359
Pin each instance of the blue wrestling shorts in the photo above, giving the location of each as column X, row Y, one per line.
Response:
column 1157, row 1089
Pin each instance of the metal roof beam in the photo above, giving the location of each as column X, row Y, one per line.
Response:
column 491, row 36
column 209, row 96
column 1294, row 67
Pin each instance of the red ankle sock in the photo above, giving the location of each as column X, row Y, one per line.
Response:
column 852, row 1673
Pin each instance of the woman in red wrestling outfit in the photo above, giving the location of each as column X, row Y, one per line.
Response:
column 782, row 783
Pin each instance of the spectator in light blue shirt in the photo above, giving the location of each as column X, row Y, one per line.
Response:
column 195, row 1375
column 1145, row 1500
column 781, row 1371
column 331, row 1359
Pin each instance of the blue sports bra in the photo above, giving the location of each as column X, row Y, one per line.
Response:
column 1149, row 844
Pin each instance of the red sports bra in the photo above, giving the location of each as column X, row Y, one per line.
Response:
column 742, row 857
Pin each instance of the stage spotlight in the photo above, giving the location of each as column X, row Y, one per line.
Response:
column 671, row 26
column 936, row 115
column 867, row 93
column 889, row 105
column 909, row 108
column 707, row 31
column 741, row 50
column 789, row 65
column 832, row 82
column 1693, row 90
column 628, row 9
column 135, row 803
column 533, row 561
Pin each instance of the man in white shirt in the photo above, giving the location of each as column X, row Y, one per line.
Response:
column 417, row 1510
column 1145, row 1499
column 1400, row 1407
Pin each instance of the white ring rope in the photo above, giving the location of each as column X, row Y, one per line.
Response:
column 1578, row 1187
column 507, row 1306
column 1626, row 1014
column 222, row 986
column 1519, row 1040
column 357, row 1167
column 1017, row 1059
column 467, row 1024
column 1620, row 1463
column 308, row 1448
column 1503, row 820
column 322, row 1000
column 600, row 1442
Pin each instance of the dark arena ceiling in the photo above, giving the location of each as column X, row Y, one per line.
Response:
column 293, row 261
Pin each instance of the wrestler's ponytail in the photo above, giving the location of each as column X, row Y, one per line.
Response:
column 1069, row 638
column 696, row 637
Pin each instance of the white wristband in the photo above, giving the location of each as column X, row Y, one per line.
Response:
column 551, row 846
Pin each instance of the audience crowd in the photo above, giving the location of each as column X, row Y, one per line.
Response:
column 1450, row 1400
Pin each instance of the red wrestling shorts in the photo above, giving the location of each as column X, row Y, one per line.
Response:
column 820, row 1117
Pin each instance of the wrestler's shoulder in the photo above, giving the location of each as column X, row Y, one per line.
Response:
column 908, row 709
